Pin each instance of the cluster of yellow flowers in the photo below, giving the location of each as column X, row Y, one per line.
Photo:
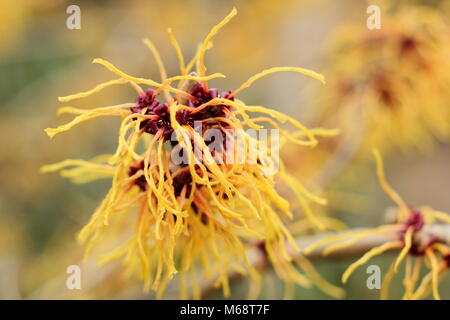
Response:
column 393, row 81
column 202, row 211
column 403, row 235
column 198, row 217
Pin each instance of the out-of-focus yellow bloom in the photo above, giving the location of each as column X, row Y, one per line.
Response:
column 391, row 86
column 434, row 251
column 203, row 213
column 15, row 18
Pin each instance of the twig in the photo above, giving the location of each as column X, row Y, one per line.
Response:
column 257, row 256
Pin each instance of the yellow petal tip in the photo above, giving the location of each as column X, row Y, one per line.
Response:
column 50, row 132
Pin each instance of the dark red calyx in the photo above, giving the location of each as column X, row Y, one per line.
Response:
column 419, row 250
column 141, row 182
column 407, row 44
column 202, row 96
column 447, row 260
column 415, row 220
column 145, row 101
column 149, row 105
column 184, row 178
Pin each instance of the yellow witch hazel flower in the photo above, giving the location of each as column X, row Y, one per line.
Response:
column 415, row 233
column 393, row 83
column 190, row 180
